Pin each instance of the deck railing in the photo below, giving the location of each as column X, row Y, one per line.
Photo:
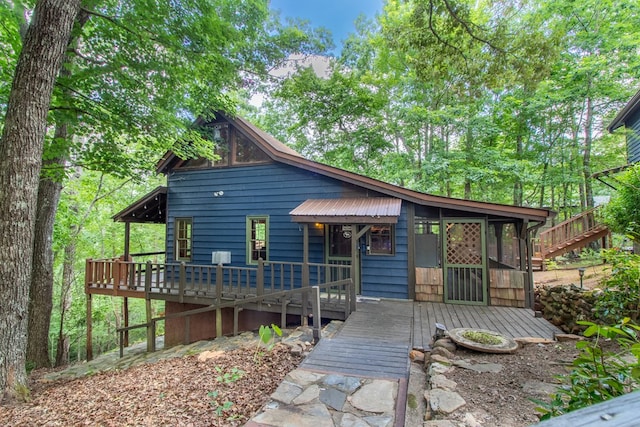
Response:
column 570, row 233
column 118, row 277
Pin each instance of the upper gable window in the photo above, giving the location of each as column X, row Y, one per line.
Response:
column 247, row 152
column 231, row 148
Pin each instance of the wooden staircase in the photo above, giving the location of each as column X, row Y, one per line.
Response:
column 574, row 233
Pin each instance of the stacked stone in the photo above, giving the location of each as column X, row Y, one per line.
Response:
column 565, row 305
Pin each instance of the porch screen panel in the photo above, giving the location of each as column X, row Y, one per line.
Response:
column 464, row 254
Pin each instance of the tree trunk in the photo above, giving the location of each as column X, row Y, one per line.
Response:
column 68, row 278
column 517, row 185
column 586, row 156
column 21, row 148
column 41, row 290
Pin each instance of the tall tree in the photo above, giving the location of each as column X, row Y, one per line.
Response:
column 128, row 92
column 21, row 149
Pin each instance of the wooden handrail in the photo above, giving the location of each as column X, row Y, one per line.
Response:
column 314, row 290
column 574, row 228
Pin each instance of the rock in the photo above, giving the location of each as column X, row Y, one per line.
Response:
column 208, row 355
column 416, row 356
column 568, row 337
column 377, row 397
column 286, row 392
column 440, row 381
column 316, row 415
column 436, row 358
column 442, row 351
column 470, row 420
column 379, row 421
column 308, row 395
column 350, row 420
column 342, row 383
column 333, row 398
column 533, row 340
column 478, row 367
column 445, row 343
column 444, row 401
column 302, row 377
column 439, row 423
column 438, row 368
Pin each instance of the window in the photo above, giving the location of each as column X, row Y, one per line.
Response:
column 427, row 242
column 183, row 239
column 380, row 240
column 257, row 238
column 247, row 151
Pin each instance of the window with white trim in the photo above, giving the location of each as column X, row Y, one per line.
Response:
column 183, row 239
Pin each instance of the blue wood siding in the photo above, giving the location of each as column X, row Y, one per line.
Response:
column 274, row 190
column 633, row 138
column 387, row 276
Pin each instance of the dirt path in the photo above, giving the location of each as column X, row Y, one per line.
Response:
column 569, row 275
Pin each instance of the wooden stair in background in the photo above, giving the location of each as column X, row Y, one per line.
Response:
column 575, row 233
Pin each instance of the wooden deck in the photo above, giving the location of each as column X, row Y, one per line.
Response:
column 375, row 340
column 373, row 343
column 510, row 321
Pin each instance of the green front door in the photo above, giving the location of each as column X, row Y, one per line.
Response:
column 338, row 250
column 464, row 256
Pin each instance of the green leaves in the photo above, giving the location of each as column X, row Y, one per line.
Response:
column 599, row 373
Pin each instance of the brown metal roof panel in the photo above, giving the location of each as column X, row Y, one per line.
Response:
column 361, row 210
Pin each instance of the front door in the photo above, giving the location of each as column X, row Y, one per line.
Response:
column 338, row 250
column 464, row 256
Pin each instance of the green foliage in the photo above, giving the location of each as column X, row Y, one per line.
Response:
column 220, row 407
column 622, row 213
column 229, row 377
column 621, row 289
column 267, row 335
column 599, row 374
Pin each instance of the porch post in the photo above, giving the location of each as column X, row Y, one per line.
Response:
column 305, row 273
column 125, row 315
column 125, row 305
column 525, row 264
column 89, row 331
column 355, row 261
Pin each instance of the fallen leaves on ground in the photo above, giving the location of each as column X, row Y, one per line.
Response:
column 177, row 392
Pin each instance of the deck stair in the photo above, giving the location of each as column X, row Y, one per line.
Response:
column 575, row 233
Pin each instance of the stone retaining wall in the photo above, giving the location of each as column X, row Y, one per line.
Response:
column 564, row 305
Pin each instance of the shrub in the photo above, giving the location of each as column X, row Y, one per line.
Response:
column 620, row 297
column 598, row 374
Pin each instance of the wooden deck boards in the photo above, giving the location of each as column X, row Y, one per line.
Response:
column 375, row 340
column 374, row 343
column 510, row 321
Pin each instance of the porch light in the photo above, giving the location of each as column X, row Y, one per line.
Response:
column 581, row 271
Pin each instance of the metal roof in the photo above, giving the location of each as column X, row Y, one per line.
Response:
column 370, row 210
column 279, row 152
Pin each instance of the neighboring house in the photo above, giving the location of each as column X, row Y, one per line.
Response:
column 629, row 117
column 262, row 201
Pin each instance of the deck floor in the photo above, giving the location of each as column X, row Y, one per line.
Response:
column 375, row 340
column 510, row 321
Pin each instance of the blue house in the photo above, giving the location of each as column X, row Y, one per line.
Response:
column 629, row 117
column 263, row 204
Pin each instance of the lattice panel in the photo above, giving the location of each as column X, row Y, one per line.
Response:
column 464, row 243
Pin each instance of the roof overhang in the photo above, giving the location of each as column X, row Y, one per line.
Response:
column 151, row 208
column 370, row 210
column 624, row 114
